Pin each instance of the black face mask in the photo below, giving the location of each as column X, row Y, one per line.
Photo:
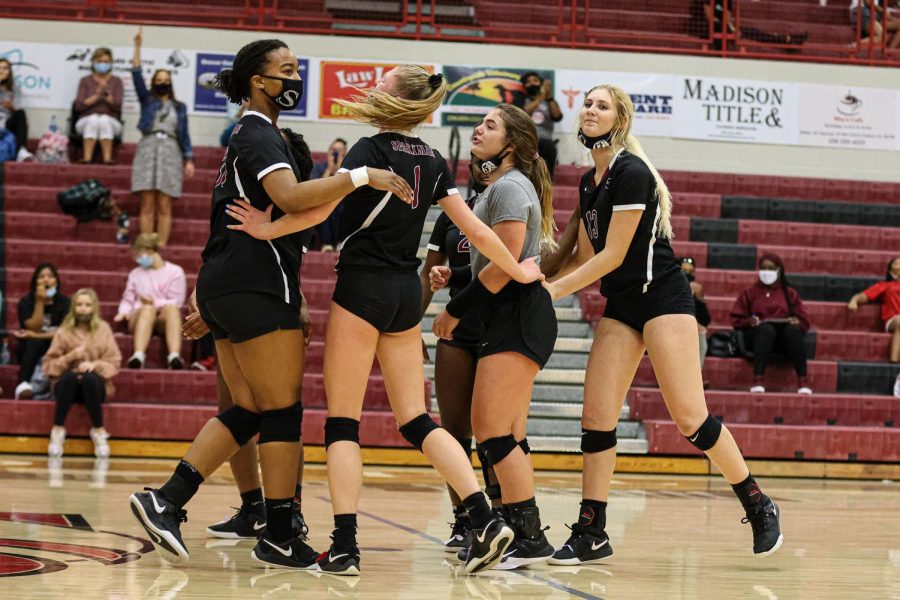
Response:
column 83, row 319
column 291, row 92
column 489, row 165
column 533, row 90
column 596, row 142
column 477, row 187
column 161, row 89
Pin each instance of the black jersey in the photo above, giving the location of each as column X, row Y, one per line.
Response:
column 447, row 239
column 232, row 260
column 627, row 185
column 377, row 230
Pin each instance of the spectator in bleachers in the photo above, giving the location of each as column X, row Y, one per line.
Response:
column 82, row 361
column 688, row 267
column 98, row 107
column 164, row 155
column 772, row 316
column 329, row 229
column 703, row 13
column 888, row 293
column 861, row 10
column 544, row 110
column 12, row 117
column 152, row 301
column 41, row 311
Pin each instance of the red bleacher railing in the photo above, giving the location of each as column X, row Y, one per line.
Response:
column 740, row 31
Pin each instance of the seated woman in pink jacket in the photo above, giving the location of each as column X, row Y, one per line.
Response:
column 152, row 301
column 82, row 361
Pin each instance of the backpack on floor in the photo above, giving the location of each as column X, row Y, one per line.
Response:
column 53, row 147
column 723, row 344
column 8, row 148
column 86, row 201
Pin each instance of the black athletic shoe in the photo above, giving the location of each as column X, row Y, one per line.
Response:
column 248, row 523
column 460, row 534
column 162, row 521
column 523, row 552
column 584, row 547
column 293, row 554
column 301, row 529
column 765, row 520
column 488, row 545
column 340, row 562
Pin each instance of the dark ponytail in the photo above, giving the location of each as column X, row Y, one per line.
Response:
column 250, row 61
column 300, row 151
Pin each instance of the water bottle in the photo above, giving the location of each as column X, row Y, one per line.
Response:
column 4, row 353
column 53, row 126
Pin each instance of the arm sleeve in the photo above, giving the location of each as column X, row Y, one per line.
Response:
column 508, row 201
column 446, row 183
column 875, row 292
column 631, row 188
column 54, row 363
column 109, row 356
column 260, row 149
column 439, row 234
column 129, row 296
column 140, row 86
column 741, row 311
column 184, row 135
column 26, row 309
column 82, row 95
column 176, row 290
column 799, row 309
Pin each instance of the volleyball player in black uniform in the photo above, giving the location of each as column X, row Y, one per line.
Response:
column 519, row 323
column 376, row 311
column 248, row 292
column 454, row 361
column 625, row 208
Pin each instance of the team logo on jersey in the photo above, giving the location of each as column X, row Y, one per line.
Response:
column 463, row 247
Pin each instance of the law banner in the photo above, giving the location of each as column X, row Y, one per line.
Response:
column 47, row 75
column 736, row 110
column 652, row 95
column 847, row 117
column 208, row 99
column 473, row 91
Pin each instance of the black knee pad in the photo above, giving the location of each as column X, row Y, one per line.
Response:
column 242, row 423
column 281, row 424
column 498, row 448
column 418, row 429
column 708, row 434
column 341, row 429
column 524, row 446
column 597, row 441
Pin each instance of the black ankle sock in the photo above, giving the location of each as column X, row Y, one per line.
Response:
column 344, row 530
column 183, row 484
column 592, row 514
column 278, row 518
column 298, row 497
column 459, row 512
column 748, row 492
column 512, row 506
column 479, row 511
column 252, row 498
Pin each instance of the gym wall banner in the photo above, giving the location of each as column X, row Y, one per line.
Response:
column 653, row 97
column 847, row 117
column 735, row 110
column 473, row 91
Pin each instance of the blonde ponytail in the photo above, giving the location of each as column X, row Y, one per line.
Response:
column 419, row 95
column 543, row 185
column 664, row 226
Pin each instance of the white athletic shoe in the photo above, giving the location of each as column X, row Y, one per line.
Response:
column 805, row 390
column 758, row 389
column 24, row 155
column 100, row 437
column 57, row 441
column 24, row 391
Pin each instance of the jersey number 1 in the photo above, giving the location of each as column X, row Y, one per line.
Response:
column 417, row 176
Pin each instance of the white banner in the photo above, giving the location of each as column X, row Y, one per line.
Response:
column 897, row 122
column 847, row 117
column 735, row 110
column 47, row 75
column 653, row 97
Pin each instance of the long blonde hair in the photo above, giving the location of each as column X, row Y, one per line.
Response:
column 622, row 138
column 521, row 134
column 419, row 94
column 69, row 320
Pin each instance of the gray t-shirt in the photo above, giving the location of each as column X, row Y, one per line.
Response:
column 510, row 198
column 543, row 121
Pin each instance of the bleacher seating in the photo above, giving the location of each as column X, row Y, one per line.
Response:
column 850, row 417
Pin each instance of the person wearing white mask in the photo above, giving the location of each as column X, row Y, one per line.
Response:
column 40, row 313
column 152, row 301
column 773, row 318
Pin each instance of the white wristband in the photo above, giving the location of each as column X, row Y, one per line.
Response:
column 359, row 176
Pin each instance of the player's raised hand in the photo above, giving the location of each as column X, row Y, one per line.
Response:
column 390, row 182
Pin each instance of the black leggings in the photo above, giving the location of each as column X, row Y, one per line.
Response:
column 783, row 337
column 18, row 124
column 88, row 388
column 454, row 379
column 29, row 353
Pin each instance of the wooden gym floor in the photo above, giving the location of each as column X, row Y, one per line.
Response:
column 66, row 531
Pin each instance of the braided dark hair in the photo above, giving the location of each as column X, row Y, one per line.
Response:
column 250, row 61
column 300, row 151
